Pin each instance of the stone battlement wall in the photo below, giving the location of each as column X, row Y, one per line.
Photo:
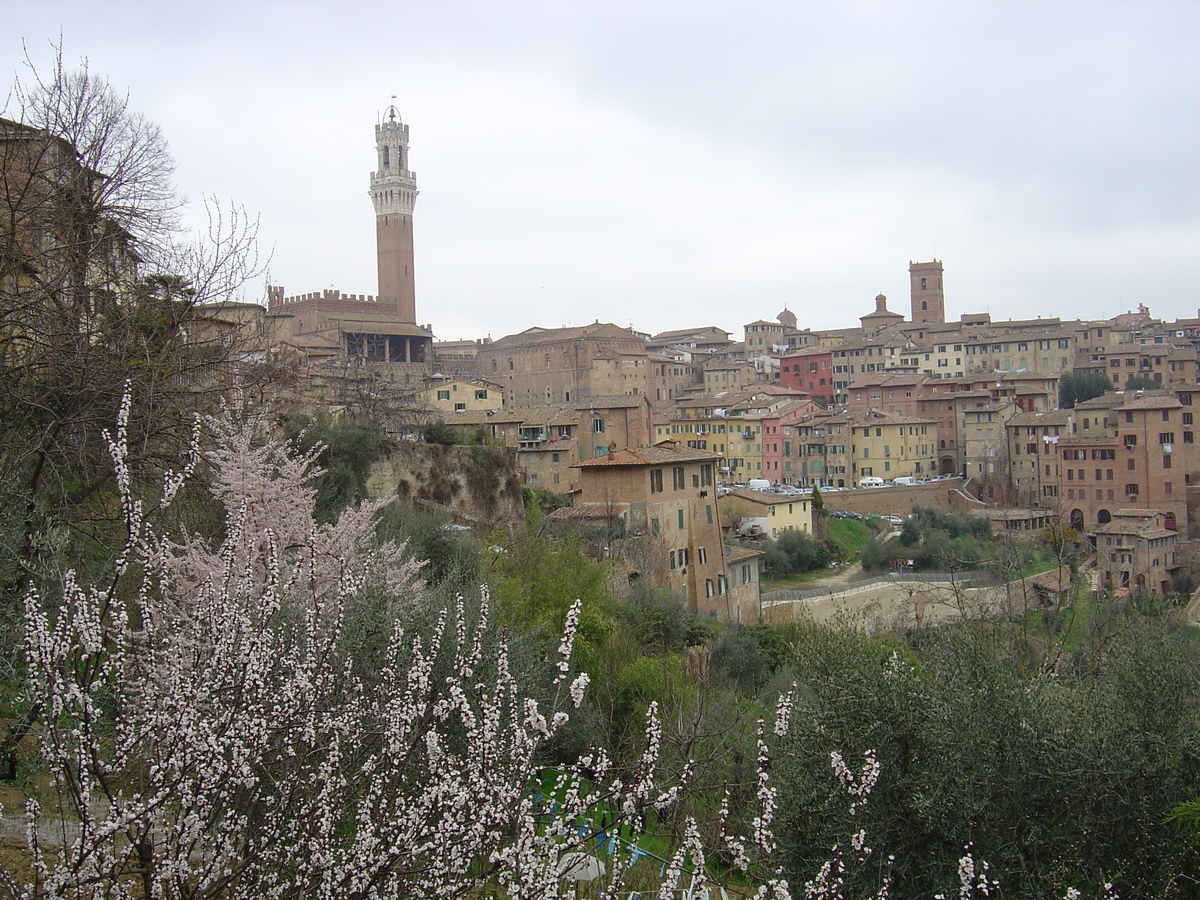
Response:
column 330, row 299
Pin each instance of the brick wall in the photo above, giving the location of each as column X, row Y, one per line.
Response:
column 899, row 501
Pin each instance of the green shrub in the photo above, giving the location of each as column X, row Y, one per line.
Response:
column 439, row 433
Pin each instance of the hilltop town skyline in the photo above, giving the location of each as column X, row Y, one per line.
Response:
column 244, row 537
column 678, row 165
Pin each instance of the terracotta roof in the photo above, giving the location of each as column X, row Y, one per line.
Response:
column 1055, row 582
column 1147, row 530
column 1142, row 522
column 548, row 414
column 649, row 456
column 1104, row 401
column 960, row 395
column 741, row 395
column 740, row 554
column 1047, row 417
column 220, row 305
column 588, row 511
column 708, row 331
column 1152, row 401
column 462, row 416
column 792, row 406
column 879, row 379
column 535, row 335
column 322, row 341
column 808, row 351
column 369, row 326
column 521, row 415
column 611, row 353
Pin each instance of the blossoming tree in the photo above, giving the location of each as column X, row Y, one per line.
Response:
column 212, row 726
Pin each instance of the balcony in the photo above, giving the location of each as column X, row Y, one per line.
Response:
column 529, row 437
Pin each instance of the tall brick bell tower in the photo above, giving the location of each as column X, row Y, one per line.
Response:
column 394, row 194
column 928, row 296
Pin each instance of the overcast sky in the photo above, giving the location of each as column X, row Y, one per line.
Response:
column 668, row 165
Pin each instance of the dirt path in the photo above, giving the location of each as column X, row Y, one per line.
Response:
column 853, row 572
column 845, row 575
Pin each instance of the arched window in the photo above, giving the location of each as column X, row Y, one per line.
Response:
column 385, row 157
column 922, row 284
column 924, row 305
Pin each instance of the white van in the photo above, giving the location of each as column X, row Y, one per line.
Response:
column 870, row 481
column 758, row 484
column 903, row 480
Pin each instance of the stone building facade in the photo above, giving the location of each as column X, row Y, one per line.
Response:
column 448, row 396
column 674, row 536
column 888, row 446
column 551, row 439
column 1136, row 550
column 554, row 365
column 752, row 514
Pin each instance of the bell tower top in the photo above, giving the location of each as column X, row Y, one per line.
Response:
column 393, row 185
